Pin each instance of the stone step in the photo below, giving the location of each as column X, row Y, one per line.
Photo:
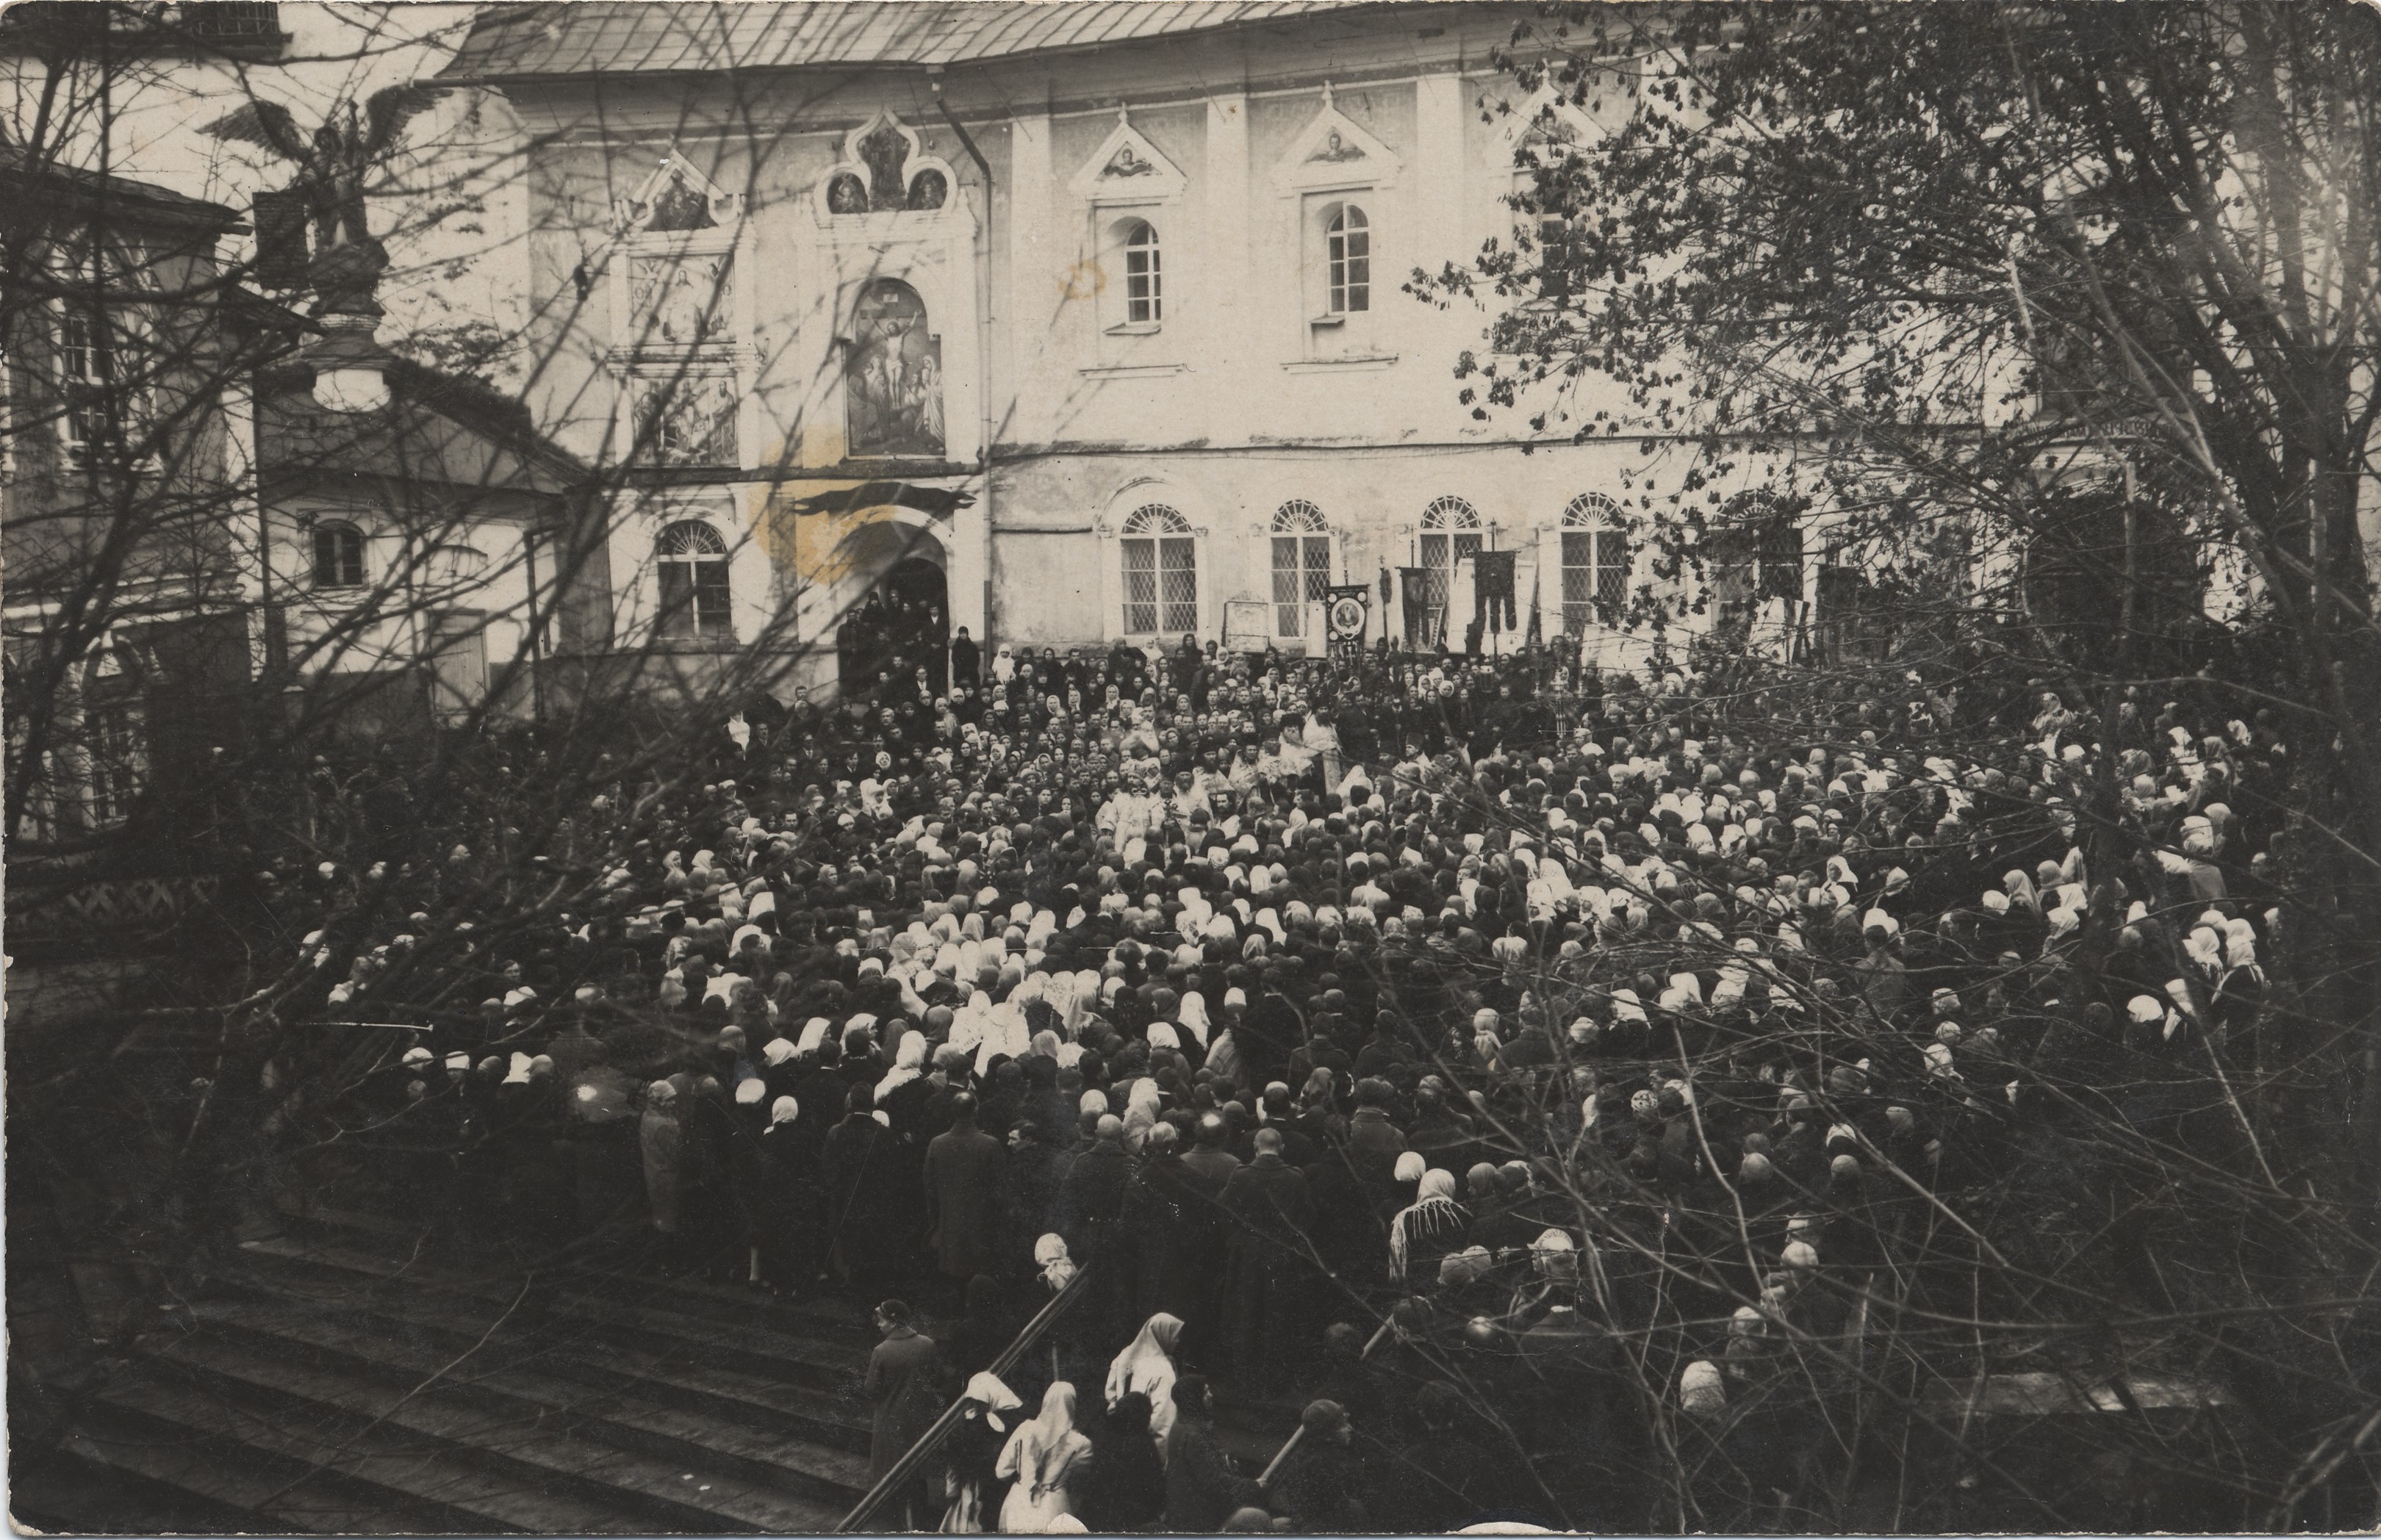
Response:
column 451, row 1327
column 800, row 1359
column 294, row 1479
column 97, row 1483
column 620, row 1414
column 540, row 1452
column 827, row 1317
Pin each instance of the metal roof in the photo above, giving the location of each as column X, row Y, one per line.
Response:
column 587, row 36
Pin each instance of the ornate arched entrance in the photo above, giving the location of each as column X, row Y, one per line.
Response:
column 901, row 620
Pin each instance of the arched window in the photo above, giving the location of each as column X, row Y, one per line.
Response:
column 1301, row 565
column 893, row 375
column 1595, row 563
column 1450, row 531
column 1144, row 286
column 1347, row 262
column 692, row 560
column 1757, row 556
column 1161, row 572
column 338, row 555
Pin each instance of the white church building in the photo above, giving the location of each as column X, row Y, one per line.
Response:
column 1089, row 320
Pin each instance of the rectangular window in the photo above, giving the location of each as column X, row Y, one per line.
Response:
column 1302, row 577
column 1611, row 574
column 1140, row 587
column 120, row 760
column 1144, row 302
column 1352, row 266
column 694, row 597
column 1177, row 573
column 82, row 381
column 1579, row 581
column 1350, row 270
column 1781, row 562
column 104, row 403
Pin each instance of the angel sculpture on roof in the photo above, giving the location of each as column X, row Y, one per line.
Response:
column 331, row 170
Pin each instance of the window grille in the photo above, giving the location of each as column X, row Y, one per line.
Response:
column 1160, row 566
column 1144, row 298
column 338, row 555
column 1301, row 565
column 1348, row 250
column 692, row 559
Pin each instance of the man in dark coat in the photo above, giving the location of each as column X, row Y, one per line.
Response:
column 963, row 1166
column 1029, row 1197
column 1271, row 1213
column 862, row 1172
column 965, row 659
column 1320, row 1488
column 1091, row 1208
column 1200, row 1488
column 1269, row 1031
column 900, row 1390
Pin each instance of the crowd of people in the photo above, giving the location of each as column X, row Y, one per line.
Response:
column 1511, row 1066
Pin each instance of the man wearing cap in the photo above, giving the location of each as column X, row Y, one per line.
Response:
column 1320, row 1485
column 900, row 1390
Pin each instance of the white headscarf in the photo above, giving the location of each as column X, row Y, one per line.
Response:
column 1050, row 1255
column 1147, row 1366
column 986, row 1390
column 1039, row 1452
column 908, row 1063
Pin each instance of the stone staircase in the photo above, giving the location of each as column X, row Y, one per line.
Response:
column 342, row 1384
column 345, row 1380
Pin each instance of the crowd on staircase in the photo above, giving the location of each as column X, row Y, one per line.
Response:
column 1515, row 1067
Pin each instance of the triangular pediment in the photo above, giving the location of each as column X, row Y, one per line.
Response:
column 1335, row 151
column 677, row 198
column 1127, row 168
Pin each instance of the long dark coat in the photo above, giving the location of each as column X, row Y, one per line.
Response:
column 963, row 1170
column 900, row 1390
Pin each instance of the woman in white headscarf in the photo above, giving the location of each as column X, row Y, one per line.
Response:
column 1040, row 1456
column 987, row 1410
column 1147, row 1366
column 1004, row 664
column 1431, row 1227
column 909, row 1064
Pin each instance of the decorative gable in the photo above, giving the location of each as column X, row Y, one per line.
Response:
column 677, row 199
column 1127, row 168
column 1334, row 151
column 884, row 169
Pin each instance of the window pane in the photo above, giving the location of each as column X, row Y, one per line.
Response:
column 677, row 599
column 1318, row 567
column 1781, row 562
column 1178, row 583
column 1286, row 620
column 1611, row 570
column 1578, row 582
column 1359, row 277
column 711, row 598
column 1140, row 585
column 1466, row 545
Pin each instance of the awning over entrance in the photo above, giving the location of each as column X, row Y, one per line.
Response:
column 876, row 495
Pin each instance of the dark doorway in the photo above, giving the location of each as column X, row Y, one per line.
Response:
column 902, row 625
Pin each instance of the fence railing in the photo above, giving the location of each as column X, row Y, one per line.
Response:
column 932, row 1439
